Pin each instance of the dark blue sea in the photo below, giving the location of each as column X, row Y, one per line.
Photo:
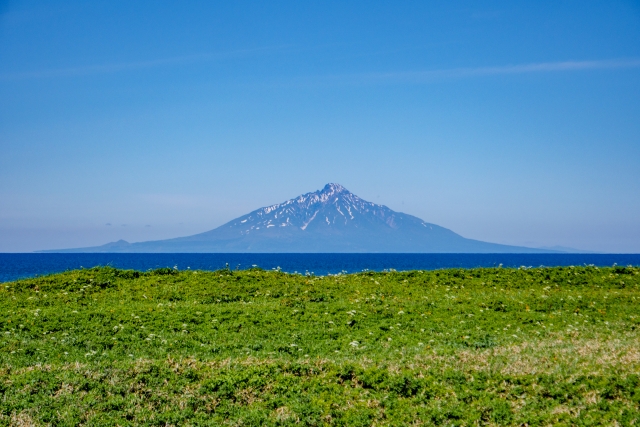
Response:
column 16, row 266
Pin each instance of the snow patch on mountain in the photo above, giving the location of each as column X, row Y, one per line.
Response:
column 336, row 204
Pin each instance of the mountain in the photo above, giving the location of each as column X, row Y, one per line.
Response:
column 329, row 220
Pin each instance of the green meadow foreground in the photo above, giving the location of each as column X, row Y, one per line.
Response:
column 542, row 346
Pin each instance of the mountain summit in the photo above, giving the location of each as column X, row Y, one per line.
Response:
column 331, row 209
column 329, row 220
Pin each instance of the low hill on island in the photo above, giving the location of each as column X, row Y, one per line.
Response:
column 329, row 220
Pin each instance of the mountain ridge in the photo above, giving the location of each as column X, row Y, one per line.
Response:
column 328, row 220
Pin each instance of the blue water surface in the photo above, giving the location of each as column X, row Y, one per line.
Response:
column 16, row 266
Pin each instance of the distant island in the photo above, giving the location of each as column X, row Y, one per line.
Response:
column 329, row 220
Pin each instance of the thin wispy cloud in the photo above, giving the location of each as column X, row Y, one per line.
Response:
column 136, row 65
column 427, row 76
column 424, row 76
column 103, row 68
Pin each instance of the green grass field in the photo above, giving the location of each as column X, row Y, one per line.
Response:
column 542, row 346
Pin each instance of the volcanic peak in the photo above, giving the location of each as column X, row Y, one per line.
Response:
column 328, row 220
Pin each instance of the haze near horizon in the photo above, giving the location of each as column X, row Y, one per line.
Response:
column 513, row 124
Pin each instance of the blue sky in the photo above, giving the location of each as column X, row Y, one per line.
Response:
column 511, row 122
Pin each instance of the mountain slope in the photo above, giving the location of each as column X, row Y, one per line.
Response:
column 329, row 220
